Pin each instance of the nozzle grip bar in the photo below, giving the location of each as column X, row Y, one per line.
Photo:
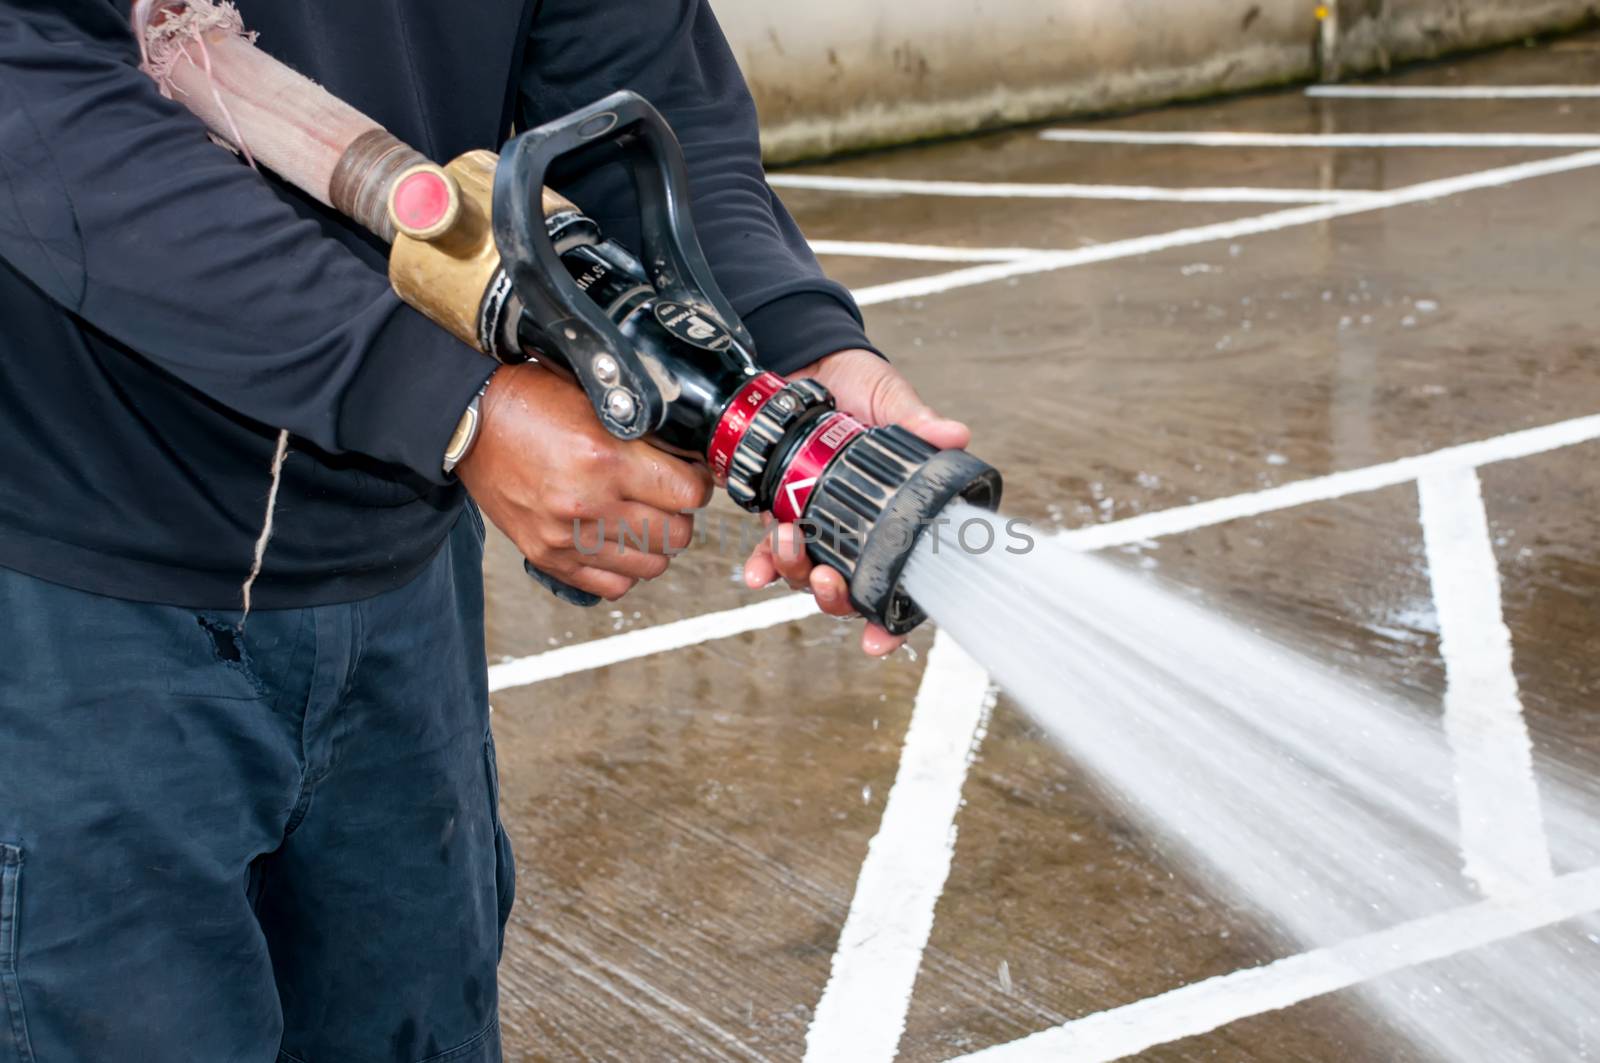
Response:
column 671, row 252
column 561, row 589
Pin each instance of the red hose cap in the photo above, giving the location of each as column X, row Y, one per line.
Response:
column 424, row 202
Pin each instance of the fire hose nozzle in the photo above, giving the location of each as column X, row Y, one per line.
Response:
column 666, row 335
column 483, row 244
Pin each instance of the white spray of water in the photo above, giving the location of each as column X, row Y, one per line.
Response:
column 1325, row 806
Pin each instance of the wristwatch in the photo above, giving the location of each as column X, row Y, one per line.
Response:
column 466, row 432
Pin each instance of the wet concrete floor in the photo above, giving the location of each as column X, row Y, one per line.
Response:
column 689, row 825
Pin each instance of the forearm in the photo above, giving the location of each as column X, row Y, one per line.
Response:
column 114, row 203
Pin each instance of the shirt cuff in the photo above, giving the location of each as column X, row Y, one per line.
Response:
column 795, row 330
column 406, row 399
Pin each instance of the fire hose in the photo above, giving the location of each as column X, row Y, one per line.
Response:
column 520, row 273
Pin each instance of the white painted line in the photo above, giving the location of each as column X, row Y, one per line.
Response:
column 1334, row 485
column 1012, row 190
column 1503, row 843
column 1228, row 230
column 1205, row 1006
column 924, row 252
column 646, row 641
column 1454, row 92
column 863, row 1008
column 1230, row 139
column 681, row 633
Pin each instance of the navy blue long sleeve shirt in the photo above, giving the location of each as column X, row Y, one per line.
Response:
column 164, row 310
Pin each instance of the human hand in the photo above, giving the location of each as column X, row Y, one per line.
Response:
column 545, row 471
column 872, row 390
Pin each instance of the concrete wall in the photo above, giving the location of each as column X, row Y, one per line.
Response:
column 1375, row 33
column 838, row 75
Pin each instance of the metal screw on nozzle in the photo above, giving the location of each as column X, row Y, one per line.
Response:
column 605, row 369
column 620, row 405
column 783, row 401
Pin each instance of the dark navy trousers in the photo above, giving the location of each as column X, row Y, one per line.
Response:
column 275, row 845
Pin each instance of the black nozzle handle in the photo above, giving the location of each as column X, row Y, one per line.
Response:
column 671, row 252
column 565, row 591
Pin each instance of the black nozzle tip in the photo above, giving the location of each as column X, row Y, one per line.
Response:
column 872, row 506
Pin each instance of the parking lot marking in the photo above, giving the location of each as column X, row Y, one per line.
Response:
column 1236, row 139
column 1205, row 1006
column 1503, row 843
column 863, row 1008
column 1454, row 92
column 597, row 653
column 923, row 252
column 1178, row 519
column 1227, row 230
column 1015, row 190
column 688, row 632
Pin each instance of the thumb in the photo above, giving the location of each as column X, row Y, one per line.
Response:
column 897, row 402
column 940, row 431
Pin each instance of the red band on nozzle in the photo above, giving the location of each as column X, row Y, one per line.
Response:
column 735, row 421
column 810, row 459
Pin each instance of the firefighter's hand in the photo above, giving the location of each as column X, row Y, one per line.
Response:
column 870, row 388
column 546, row 472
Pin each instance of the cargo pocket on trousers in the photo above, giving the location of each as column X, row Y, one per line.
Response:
column 505, row 865
column 15, row 1034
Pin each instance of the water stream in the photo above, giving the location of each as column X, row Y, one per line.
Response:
column 1322, row 804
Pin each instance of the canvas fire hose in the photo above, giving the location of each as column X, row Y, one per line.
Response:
column 517, row 271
